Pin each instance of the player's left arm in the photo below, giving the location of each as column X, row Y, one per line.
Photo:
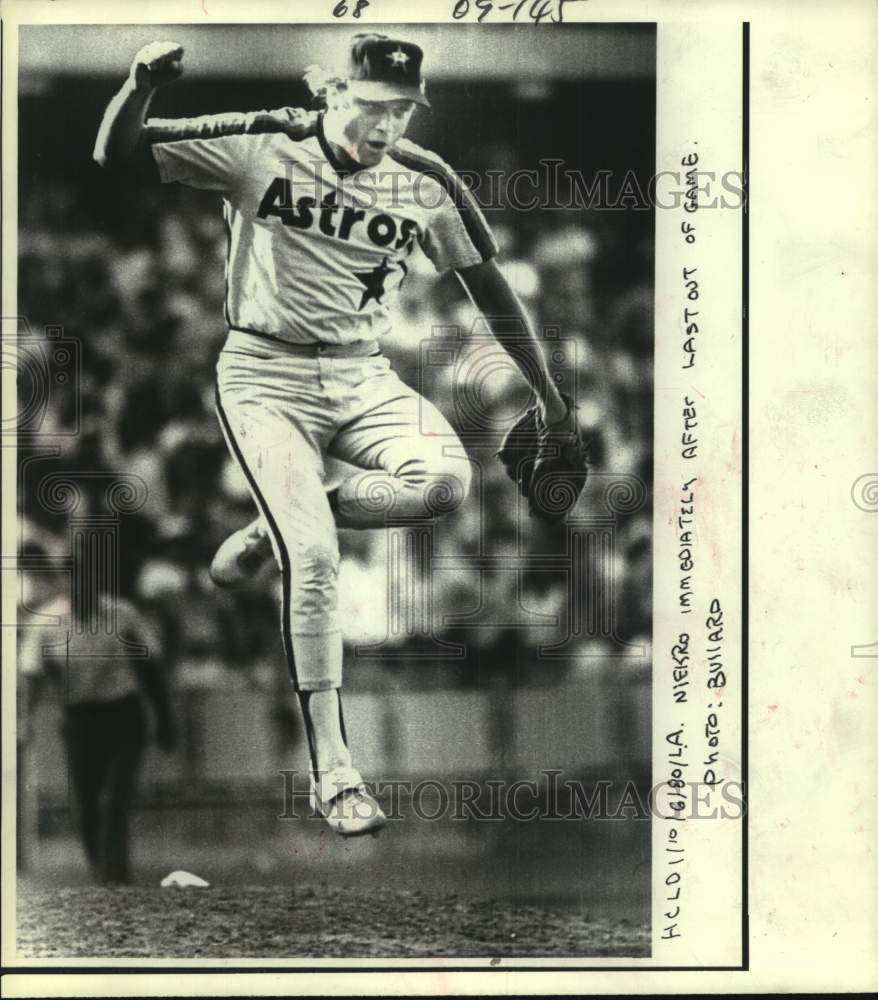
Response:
column 543, row 453
column 457, row 237
column 499, row 305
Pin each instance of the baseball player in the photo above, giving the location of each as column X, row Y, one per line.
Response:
column 323, row 209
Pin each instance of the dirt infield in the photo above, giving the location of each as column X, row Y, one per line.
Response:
column 303, row 922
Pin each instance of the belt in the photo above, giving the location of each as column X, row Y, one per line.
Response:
column 317, row 349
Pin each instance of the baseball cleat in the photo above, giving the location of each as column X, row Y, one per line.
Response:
column 241, row 556
column 342, row 799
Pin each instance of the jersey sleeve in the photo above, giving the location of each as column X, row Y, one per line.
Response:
column 214, row 164
column 212, row 151
column 456, row 234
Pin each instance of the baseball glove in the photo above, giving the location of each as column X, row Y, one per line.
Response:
column 547, row 462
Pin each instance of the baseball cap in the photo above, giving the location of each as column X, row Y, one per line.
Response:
column 386, row 69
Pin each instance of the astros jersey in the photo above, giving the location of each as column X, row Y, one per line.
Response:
column 318, row 250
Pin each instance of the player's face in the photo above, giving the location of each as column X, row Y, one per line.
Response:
column 372, row 128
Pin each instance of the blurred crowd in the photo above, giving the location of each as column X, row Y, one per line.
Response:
column 140, row 287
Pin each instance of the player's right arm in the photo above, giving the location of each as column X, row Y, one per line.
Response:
column 208, row 151
column 121, row 140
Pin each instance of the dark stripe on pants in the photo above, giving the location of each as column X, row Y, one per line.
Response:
column 287, row 576
column 285, row 565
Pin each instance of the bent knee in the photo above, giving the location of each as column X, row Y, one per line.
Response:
column 443, row 481
column 448, row 489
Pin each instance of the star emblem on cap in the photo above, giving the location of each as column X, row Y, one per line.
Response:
column 398, row 58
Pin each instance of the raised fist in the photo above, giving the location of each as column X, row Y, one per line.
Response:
column 157, row 64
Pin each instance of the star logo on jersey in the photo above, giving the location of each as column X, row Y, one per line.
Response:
column 374, row 282
column 398, row 58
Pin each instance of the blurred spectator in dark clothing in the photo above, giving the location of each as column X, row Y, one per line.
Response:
column 104, row 662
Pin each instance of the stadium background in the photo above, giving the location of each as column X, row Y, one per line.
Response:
column 136, row 275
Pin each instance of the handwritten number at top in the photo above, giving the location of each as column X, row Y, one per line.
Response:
column 535, row 10
column 341, row 8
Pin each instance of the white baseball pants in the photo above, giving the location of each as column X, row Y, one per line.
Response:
column 281, row 413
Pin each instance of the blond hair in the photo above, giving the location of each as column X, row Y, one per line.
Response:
column 323, row 84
